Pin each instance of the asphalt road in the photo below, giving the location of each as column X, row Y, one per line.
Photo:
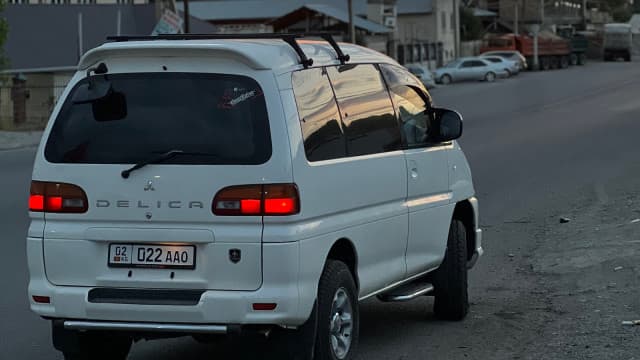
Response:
column 542, row 146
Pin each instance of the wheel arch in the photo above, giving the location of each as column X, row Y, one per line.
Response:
column 465, row 212
column 344, row 250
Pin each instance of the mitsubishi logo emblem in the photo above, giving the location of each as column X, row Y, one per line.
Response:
column 149, row 186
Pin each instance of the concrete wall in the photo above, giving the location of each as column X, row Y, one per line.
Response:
column 30, row 107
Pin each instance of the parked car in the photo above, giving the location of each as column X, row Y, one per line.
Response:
column 470, row 68
column 513, row 55
column 511, row 67
column 423, row 73
column 221, row 186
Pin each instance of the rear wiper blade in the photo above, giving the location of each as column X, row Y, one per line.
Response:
column 158, row 159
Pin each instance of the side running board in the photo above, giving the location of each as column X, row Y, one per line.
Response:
column 407, row 292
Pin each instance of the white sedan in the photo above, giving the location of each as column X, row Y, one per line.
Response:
column 510, row 66
column 471, row 68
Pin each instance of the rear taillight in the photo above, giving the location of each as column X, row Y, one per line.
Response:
column 247, row 200
column 57, row 198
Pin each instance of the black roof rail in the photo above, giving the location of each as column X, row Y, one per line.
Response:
column 290, row 39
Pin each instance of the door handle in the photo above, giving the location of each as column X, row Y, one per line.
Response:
column 413, row 169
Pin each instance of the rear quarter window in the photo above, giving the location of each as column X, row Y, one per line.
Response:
column 218, row 118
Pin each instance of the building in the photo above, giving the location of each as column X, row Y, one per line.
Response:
column 421, row 29
column 44, row 45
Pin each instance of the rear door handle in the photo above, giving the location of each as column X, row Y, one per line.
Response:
column 413, row 166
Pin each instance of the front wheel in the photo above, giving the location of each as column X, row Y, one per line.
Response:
column 445, row 79
column 338, row 313
column 490, row 77
column 450, row 280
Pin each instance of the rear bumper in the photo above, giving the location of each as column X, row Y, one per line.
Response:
column 138, row 327
column 281, row 284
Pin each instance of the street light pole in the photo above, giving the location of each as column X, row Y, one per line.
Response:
column 352, row 28
column 516, row 21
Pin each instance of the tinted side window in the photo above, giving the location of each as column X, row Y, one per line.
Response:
column 367, row 112
column 396, row 75
column 411, row 111
column 319, row 116
column 467, row 64
column 478, row 63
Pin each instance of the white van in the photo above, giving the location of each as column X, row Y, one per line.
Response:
column 208, row 185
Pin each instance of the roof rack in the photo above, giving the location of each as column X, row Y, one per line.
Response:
column 290, row 39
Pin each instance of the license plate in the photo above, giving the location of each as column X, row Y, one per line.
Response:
column 152, row 256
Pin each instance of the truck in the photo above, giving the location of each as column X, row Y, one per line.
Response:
column 578, row 42
column 617, row 42
column 553, row 51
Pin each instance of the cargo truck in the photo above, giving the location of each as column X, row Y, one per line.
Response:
column 553, row 51
column 617, row 42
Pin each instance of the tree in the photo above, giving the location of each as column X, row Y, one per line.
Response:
column 470, row 25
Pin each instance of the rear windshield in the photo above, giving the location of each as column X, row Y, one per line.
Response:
column 213, row 118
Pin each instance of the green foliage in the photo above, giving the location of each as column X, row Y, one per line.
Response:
column 470, row 26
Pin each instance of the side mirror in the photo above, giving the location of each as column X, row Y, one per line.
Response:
column 446, row 125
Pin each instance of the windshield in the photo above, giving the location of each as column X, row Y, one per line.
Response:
column 197, row 113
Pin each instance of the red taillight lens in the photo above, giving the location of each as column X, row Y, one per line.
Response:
column 36, row 202
column 272, row 199
column 264, row 306
column 57, row 198
column 41, row 299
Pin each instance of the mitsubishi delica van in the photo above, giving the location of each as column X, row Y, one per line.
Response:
column 222, row 185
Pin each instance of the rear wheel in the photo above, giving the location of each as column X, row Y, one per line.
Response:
column 573, row 59
column 564, row 62
column 445, row 79
column 338, row 313
column 545, row 63
column 627, row 57
column 450, row 280
column 582, row 59
column 490, row 77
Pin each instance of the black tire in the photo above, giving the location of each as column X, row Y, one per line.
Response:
column 450, row 280
column 99, row 346
column 545, row 63
column 509, row 74
column 490, row 76
column 627, row 58
column 555, row 62
column 335, row 278
column 573, row 59
column 564, row 62
column 582, row 59
column 445, row 79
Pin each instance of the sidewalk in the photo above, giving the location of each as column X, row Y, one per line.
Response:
column 19, row 139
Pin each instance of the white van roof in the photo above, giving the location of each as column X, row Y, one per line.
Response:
column 272, row 54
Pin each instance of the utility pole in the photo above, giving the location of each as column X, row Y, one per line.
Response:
column 584, row 14
column 352, row 28
column 456, row 27
column 516, row 20
column 186, row 16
